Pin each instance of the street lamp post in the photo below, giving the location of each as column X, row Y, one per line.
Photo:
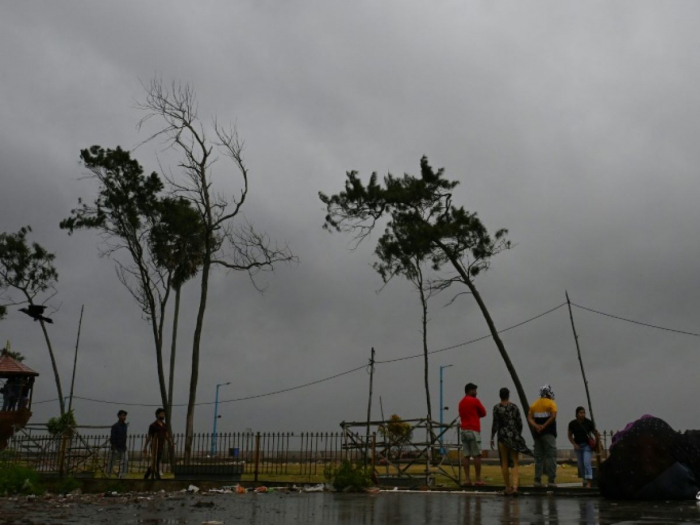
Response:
column 216, row 417
column 442, row 407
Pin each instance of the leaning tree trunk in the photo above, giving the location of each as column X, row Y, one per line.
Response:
column 194, row 377
column 55, row 367
column 501, row 347
column 494, row 333
column 173, row 350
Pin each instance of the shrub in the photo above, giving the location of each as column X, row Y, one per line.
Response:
column 16, row 479
column 62, row 424
column 348, row 477
column 397, row 432
column 67, row 485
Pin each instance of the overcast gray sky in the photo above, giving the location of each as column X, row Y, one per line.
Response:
column 572, row 124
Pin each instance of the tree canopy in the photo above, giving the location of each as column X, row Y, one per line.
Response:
column 28, row 269
column 423, row 226
column 161, row 236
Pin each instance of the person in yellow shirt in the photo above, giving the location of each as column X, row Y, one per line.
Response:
column 543, row 419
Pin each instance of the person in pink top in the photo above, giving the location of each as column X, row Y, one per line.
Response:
column 470, row 413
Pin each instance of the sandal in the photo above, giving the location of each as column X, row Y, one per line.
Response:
column 479, row 483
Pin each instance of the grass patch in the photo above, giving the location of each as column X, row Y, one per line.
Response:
column 16, row 479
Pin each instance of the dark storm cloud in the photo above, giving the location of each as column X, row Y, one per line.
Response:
column 571, row 124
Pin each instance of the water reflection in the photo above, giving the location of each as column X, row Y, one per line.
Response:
column 511, row 511
column 470, row 510
column 587, row 513
column 346, row 509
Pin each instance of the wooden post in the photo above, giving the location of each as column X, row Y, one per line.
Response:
column 373, row 467
column 62, row 454
column 369, row 404
column 585, row 381
column 257, row 456
column 75, row 360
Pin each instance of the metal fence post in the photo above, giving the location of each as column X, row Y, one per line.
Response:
column 257, row 456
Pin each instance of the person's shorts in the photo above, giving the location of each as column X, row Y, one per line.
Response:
column 471, row 443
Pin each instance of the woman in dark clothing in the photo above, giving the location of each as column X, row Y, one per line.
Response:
column 508, row 424
column 579, row 431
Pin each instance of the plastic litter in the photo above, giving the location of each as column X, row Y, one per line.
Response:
column 314, row 488
column 192, row 489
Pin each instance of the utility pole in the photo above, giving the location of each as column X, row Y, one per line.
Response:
column 216, row 417
column 442, row 407
column 75, row 360
column 578, row 350
column 583, row 373
column 369, row 403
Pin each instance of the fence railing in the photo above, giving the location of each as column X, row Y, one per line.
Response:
column 260, row 455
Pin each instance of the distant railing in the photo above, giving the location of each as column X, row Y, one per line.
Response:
column 263, row 454
column 286, row 456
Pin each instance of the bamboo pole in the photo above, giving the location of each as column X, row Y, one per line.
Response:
column 369, row 404
column 585, row 381
column 75, row 360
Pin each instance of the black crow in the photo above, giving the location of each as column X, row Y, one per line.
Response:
column 36, row 312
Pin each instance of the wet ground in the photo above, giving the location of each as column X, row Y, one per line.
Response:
column 340, row 509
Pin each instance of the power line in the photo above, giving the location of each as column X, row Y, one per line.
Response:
column 473, row 340
column 290, row 389
column 46, row 401
column 635, row 322
column 388, row 361
column 229, row 400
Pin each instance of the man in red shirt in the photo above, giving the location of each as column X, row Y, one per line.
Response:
column 470, row 413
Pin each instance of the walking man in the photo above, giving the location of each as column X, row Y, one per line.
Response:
column 158, row 436
column 543, row 419
column 470, row 413
column 117, row 440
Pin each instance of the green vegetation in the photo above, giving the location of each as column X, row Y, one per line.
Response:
column 348, row 477
column 423, row 226
column 17, row 479
column 397, row 432
column 59, row 425
column 26, row 272
column 68, row 485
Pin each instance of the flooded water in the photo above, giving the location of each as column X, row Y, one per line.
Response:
column 340, row 509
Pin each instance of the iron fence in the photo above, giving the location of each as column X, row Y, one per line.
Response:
column 259, row 455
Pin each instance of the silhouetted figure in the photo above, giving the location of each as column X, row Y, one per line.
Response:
column 36, row 312
column 10, row 393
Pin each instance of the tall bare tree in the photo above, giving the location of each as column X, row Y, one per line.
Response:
column 29, row 270
column 230, row 242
